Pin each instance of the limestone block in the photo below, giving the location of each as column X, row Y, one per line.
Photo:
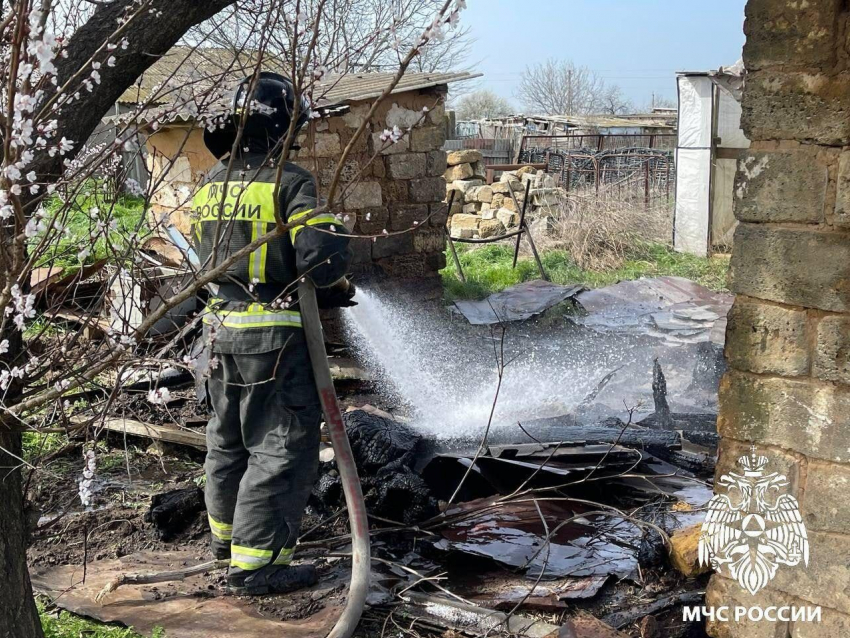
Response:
column 436, row 163
column 406, row 165
column 780, row 187
column 467, row 156
column 427, row 189
column 684, row 551
column 508, row 217
column 472, row 208
column 809, row 416
column 767, row 338
column 388, row 148
column 796, row 266
column 320, row 145
column 362, row 195
column 832, row 349
column 427, row 138
column 464, row 226
column 457, row 172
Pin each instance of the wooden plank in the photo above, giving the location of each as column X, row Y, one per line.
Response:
column 169, row 434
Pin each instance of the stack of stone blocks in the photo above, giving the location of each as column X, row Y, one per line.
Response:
column 483, row 211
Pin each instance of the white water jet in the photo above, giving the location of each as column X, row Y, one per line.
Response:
column 446, row 374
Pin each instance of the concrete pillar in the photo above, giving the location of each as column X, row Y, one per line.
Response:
column 788, row 341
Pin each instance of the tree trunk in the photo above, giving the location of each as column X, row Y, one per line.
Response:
column 18, row 614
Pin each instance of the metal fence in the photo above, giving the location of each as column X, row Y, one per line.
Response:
column 649, row 171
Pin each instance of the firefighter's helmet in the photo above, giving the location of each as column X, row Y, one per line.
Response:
column 267, row 113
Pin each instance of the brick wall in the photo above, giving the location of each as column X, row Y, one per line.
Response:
column 788, row 339
column 401, row 188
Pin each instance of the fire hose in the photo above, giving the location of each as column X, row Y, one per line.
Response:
column 360, row 551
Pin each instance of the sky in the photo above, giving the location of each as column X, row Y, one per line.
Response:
column 637, row 44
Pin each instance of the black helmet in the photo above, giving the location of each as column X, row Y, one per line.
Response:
column 273, row 103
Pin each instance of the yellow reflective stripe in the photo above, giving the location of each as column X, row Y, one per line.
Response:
column 249, row 558
column 285, row 556
column 319, row 219
column 297, row 216
column 221, row 531
column 256, row 316
column 257, row 259
column 244, row 201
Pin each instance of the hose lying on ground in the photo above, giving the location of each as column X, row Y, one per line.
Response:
column 360, row 561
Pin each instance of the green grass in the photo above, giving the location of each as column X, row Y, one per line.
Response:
column 68, row 625
column 488, row 269
column 79, row 216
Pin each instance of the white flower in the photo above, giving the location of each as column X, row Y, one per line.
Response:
column 65, row 145
column 159, row 396
column 12, row 172
column 111, row 61
column 4, row 346
column 392, row 135
column 31, row 176
column 85, row 483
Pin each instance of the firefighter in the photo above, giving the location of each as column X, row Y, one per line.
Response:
column 263, row 440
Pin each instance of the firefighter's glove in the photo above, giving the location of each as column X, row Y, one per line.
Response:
column 339, row 295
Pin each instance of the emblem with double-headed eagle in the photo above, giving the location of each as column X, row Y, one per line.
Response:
column 747, row 535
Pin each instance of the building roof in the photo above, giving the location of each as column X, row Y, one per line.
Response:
column 642, row 120
column 206, row 75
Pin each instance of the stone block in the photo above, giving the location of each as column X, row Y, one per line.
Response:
column 436, row 163
column 320, row 145
column 429, row 240
column 458, row 172
column 403, row 117
column 427, row 189
column 684, row 551
column 438, row 215
column 826, row 579
column 823, row 505
column 780, row 187
column 766, row 338
column 389, row 148
column 427, row 138
column 808, row 416
column 490, row 228
column 464, row 185
column 392, row 245
column 508, row 217
column 799, row 267
column 501, row 188
column 832, row 349
column 484, row 194
column 790, row 465
column 832, row 623
column 790, row 34
column 797, row 106
column 471, row 208
column 842, row 198
column 498, row 200
column 724, row 592
column 372, row 221
column 362, row 195
column 464, row 226
column 489, row 213
column 467, row 156
column 406, row 165
column 406, row 217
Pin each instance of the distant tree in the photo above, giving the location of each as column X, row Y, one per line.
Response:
column 559, row 87
column 613, row 102
column 482, row 104
column 660, row 102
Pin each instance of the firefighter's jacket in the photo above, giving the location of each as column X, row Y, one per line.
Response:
column 256, row 309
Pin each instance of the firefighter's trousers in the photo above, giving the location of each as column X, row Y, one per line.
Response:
column 262, row 454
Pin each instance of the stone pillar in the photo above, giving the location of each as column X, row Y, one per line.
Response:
column 788, row 340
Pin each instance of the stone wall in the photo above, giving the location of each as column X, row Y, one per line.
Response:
column 788, row 339
column 403, row 187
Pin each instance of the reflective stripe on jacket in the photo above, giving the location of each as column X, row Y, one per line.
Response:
column 230, row 211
